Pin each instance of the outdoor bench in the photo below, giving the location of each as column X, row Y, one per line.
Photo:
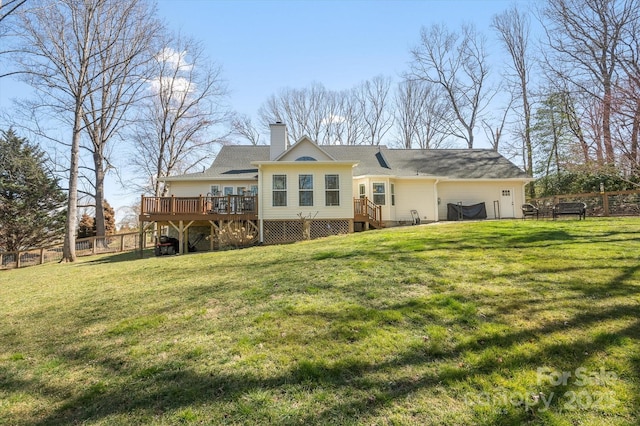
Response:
column 577, row 208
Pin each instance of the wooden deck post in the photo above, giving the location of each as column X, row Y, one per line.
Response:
column 181, row 237
column 141, row 239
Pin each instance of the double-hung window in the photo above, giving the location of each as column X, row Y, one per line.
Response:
column 379, row 196
column 332, row 190
column 305, row 188
column 279, row 190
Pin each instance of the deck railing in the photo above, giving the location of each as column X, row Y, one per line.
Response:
column 205, row 205
column 364, row 207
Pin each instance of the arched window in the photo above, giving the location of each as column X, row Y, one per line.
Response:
column 306, row 158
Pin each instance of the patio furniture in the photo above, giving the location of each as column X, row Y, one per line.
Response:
column 530, row 210
column 577, row 208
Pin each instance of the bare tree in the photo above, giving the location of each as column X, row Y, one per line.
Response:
column 628, row 100
column 186, row 100
column 408, row 107
column 125, row 33
column 80, row 57
column 347, row 123
column 513, row 30
column 585, row 40
column 242, row 125
column 289, row 107
column 56, row 59
column 494, row 132
column 373, row 98
column 8, row 9
column 349, row 117
column 421, row 115
column 306, row 111
column 458, row 64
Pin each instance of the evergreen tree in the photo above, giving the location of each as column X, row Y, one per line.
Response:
column 31, row 201
column 87, row 225
column 109, row 219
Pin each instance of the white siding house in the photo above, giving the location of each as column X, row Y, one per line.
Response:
column 288, row 192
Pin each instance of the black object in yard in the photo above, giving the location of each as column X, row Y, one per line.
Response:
column 167, row 245
column 460, row 212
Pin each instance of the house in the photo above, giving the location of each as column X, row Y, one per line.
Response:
column 288, row 192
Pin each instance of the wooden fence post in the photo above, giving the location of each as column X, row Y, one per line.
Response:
column 605, row 203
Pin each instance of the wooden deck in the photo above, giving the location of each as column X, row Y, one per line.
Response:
column 231, row 207
column 237, row 207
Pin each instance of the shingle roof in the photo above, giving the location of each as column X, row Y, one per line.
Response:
column 234, row 161
column 454, row 163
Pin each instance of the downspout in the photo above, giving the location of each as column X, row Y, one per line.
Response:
column 436, row 209
column 524, row 197
column 260, row 205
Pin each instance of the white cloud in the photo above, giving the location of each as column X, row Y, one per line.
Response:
column 174, row 58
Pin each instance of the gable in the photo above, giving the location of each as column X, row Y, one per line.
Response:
column 305, row 150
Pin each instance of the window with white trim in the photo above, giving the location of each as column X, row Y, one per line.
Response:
column 362, row 190
column 305, row 190
column 379, row 193
column 279, row 190
column 332, row 190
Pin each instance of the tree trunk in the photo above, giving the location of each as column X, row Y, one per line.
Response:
column 606, row 124
column 99, row 196
column 69, row 246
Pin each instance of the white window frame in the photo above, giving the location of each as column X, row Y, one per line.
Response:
column 305, row 189
column 280, row 191
column 330, row 191
column 377, row 195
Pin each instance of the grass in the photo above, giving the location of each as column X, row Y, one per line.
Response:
column 497, row 322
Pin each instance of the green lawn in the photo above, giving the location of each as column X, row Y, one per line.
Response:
column 497, row 322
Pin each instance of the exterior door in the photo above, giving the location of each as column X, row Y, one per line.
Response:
column 507, row 208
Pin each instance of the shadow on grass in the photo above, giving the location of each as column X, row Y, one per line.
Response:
column 362, row 388
column 169, row 386
column 120, row 257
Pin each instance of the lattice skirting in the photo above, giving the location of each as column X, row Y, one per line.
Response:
column 289, row 231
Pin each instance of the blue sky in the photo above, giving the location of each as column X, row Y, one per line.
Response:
column 265, row 45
